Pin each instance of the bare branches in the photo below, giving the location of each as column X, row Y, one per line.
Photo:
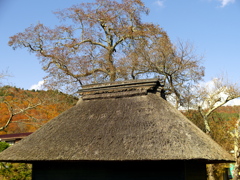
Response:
column 10, row 110
column 91, row 46
column 13, row 112
column 4, row 75
column 216, row 94
column 176, row 65
column 107, row 42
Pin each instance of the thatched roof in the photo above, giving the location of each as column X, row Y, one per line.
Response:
column 118, row 121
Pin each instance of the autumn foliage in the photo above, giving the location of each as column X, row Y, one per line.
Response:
column 45, row 106
column 222, row 122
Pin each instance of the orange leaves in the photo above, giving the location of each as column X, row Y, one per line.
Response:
column 222, row 123
column 4, row 114
column 29, row 110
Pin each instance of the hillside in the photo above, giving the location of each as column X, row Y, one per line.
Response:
column 29, row 110
column 51, row 103
column 222, row 122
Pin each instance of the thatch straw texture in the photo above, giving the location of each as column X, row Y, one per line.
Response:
column 137, row 127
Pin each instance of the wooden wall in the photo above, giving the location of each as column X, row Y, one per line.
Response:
column 127, row 170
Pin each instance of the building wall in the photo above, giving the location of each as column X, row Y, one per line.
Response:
column 195, row 171
column 128, row 170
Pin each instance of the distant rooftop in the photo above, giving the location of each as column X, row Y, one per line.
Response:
column 8, row 137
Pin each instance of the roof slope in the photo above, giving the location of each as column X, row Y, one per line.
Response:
column 121, row 126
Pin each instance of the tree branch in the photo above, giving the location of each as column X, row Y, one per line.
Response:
column 12, row 114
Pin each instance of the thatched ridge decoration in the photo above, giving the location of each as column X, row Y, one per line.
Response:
column 119, row 121
column 120, row 89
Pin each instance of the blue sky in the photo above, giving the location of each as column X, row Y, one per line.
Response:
column 213, row 26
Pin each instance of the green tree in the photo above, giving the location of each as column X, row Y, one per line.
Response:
column 3, row 146
column 14, row 171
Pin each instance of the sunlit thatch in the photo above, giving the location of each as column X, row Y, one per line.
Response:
column 118, row 121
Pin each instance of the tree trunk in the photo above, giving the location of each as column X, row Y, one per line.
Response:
column 112, row 68
column 236, row 151
column 210, row 172
column 112, row 76
column 206, row 125
column 210, row 167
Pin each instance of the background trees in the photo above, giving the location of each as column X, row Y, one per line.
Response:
column 12, row 171
column 206, row 102
column 107, row 41
column 26, row 111
column 209, row 98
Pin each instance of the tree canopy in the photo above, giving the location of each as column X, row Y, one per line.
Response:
column 107, row 41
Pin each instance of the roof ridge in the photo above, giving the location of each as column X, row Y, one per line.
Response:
column 119, row 89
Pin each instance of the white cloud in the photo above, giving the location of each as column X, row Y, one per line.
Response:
column 226, row 2
column 38, row 86
column 210, row 86
column 234, row 102
column 160, row 3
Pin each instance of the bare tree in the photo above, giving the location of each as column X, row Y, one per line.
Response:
column 89, row 47
column 3, row 75
column 177, row 65
column 215, row 95
column 211, row 97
